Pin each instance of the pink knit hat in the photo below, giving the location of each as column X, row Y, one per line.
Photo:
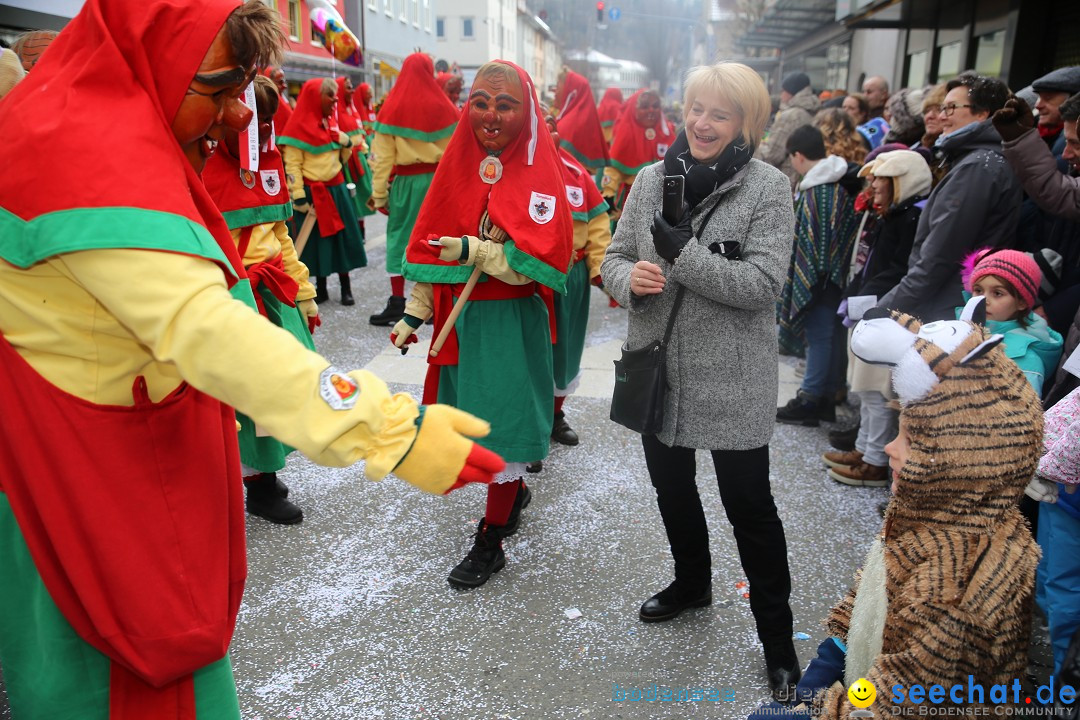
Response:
column 1014, row 267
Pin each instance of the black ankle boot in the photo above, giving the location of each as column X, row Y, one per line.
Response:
column 394, row 311
column 321, row 295
column 521, row 501
column 485, row 558
column 672, row 600
column 782, row 669
column 266, row 499
column 561, row 432
column 346, row 289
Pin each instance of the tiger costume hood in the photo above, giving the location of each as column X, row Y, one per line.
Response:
column 956, row 556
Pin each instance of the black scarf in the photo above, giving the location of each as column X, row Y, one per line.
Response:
column 702, row 180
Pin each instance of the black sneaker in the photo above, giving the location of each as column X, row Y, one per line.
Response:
column 266, row 500
column 521, row 501
column 394, row 311
column 561, row 432
column 485, row 559
column 800, row 410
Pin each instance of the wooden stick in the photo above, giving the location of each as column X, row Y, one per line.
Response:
column 455, row 312
column 305, row 232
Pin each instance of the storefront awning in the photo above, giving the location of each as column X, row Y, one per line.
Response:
column 788, row 21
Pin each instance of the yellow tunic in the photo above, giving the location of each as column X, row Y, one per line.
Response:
column 92, row 336
column 390, row 150
column 594, row 236
column 268, row 240
column 613, row 180
column 301, row 165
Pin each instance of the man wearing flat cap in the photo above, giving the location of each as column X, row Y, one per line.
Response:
column 1053, row 89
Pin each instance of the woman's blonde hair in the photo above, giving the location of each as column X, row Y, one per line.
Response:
column 840, row 136
column 739, row 85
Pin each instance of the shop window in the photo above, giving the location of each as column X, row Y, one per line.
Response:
column 918, row 67
column 949, row 61
column 989, row 52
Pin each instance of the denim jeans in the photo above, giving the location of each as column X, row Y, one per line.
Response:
column 821, row 338
column 877, row 427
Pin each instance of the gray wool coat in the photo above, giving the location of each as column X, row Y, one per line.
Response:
column 722, row 360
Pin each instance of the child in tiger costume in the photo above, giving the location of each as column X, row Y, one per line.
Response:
column 946, row 589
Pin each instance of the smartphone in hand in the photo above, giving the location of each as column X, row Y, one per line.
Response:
column 672, row 205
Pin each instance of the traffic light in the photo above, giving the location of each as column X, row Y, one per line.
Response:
column 600, row 11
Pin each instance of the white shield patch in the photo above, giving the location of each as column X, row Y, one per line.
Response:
column 575, row 196
column 271, row 182
column 661, row 149
column 541, row 208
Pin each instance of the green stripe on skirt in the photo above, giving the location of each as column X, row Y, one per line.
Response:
column 51, row 672
column 341, row 252
column 504, row 374
column 267, row 454
column 407, row 194
column 571, row 324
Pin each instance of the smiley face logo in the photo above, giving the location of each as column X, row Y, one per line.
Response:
column 862, row 693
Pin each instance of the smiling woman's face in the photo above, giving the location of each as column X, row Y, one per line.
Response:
column 712, row 123
column 496, row 111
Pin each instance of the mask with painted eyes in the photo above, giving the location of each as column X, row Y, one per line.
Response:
column 496, row 111
column 647, row 112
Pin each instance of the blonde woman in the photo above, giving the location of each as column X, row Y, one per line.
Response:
column 730, row 253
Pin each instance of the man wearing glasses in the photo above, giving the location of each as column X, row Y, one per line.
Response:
column 974, row 205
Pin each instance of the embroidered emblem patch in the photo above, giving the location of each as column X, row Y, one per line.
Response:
column 541, row 208
column 575, row 195
column 661, row 150
column 337, row 389
column 248, row 178
column 271, row 183
column 650, row 134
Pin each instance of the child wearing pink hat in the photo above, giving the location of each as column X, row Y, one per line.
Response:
column 1009, row 279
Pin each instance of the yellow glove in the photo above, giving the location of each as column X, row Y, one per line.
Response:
column 404, row 331
column 442, row 457
column 308, row 308
column 343, row 139
column 459, row 249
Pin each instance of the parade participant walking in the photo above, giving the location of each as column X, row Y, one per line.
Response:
column 121, row 517
column 364, row 112
column 357, row 170
column 608, row 111
column 256, row 208
column 580, row 131
column 315, row 151
column 496, row 211
column 411, row 134
column 284, row 111
column 727, row 269
column 452, row 85
column 592, row 235
column 642, row 136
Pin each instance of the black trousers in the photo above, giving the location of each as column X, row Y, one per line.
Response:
column 743, row 477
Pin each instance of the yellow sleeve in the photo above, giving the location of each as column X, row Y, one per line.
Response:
column 297, row 270
column 382, row 148
column 222, row 348
column 609, row 186
column 490, row 257
column 294, row 171
column 597, row 245
column 421, row 302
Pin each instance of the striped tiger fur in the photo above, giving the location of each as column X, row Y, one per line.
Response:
column 959, row 557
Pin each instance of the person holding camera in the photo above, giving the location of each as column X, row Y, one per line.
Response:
column 721, row 356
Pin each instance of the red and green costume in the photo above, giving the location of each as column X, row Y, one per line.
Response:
column 609, row 109
column 580, row 132
column 121, row 527
column 633, row 149
column 245, row 209
column 336, row 244
column 357, row 171
column 498, row 356
column 410, row 133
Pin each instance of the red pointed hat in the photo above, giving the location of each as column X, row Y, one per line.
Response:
column 416, row 106
column 305, row 129
column 610, row 106
column 138, row 182
column 632, row 150
column 528, row 202
column 346, row 111
column 579, row 125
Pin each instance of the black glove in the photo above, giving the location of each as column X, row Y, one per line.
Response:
column 1014, row 119
column 610, row 203
column 670, row 240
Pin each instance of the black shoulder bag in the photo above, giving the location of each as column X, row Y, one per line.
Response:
column 641, row 384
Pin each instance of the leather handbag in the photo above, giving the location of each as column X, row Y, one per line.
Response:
column 637, row 402
column 641, row 382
